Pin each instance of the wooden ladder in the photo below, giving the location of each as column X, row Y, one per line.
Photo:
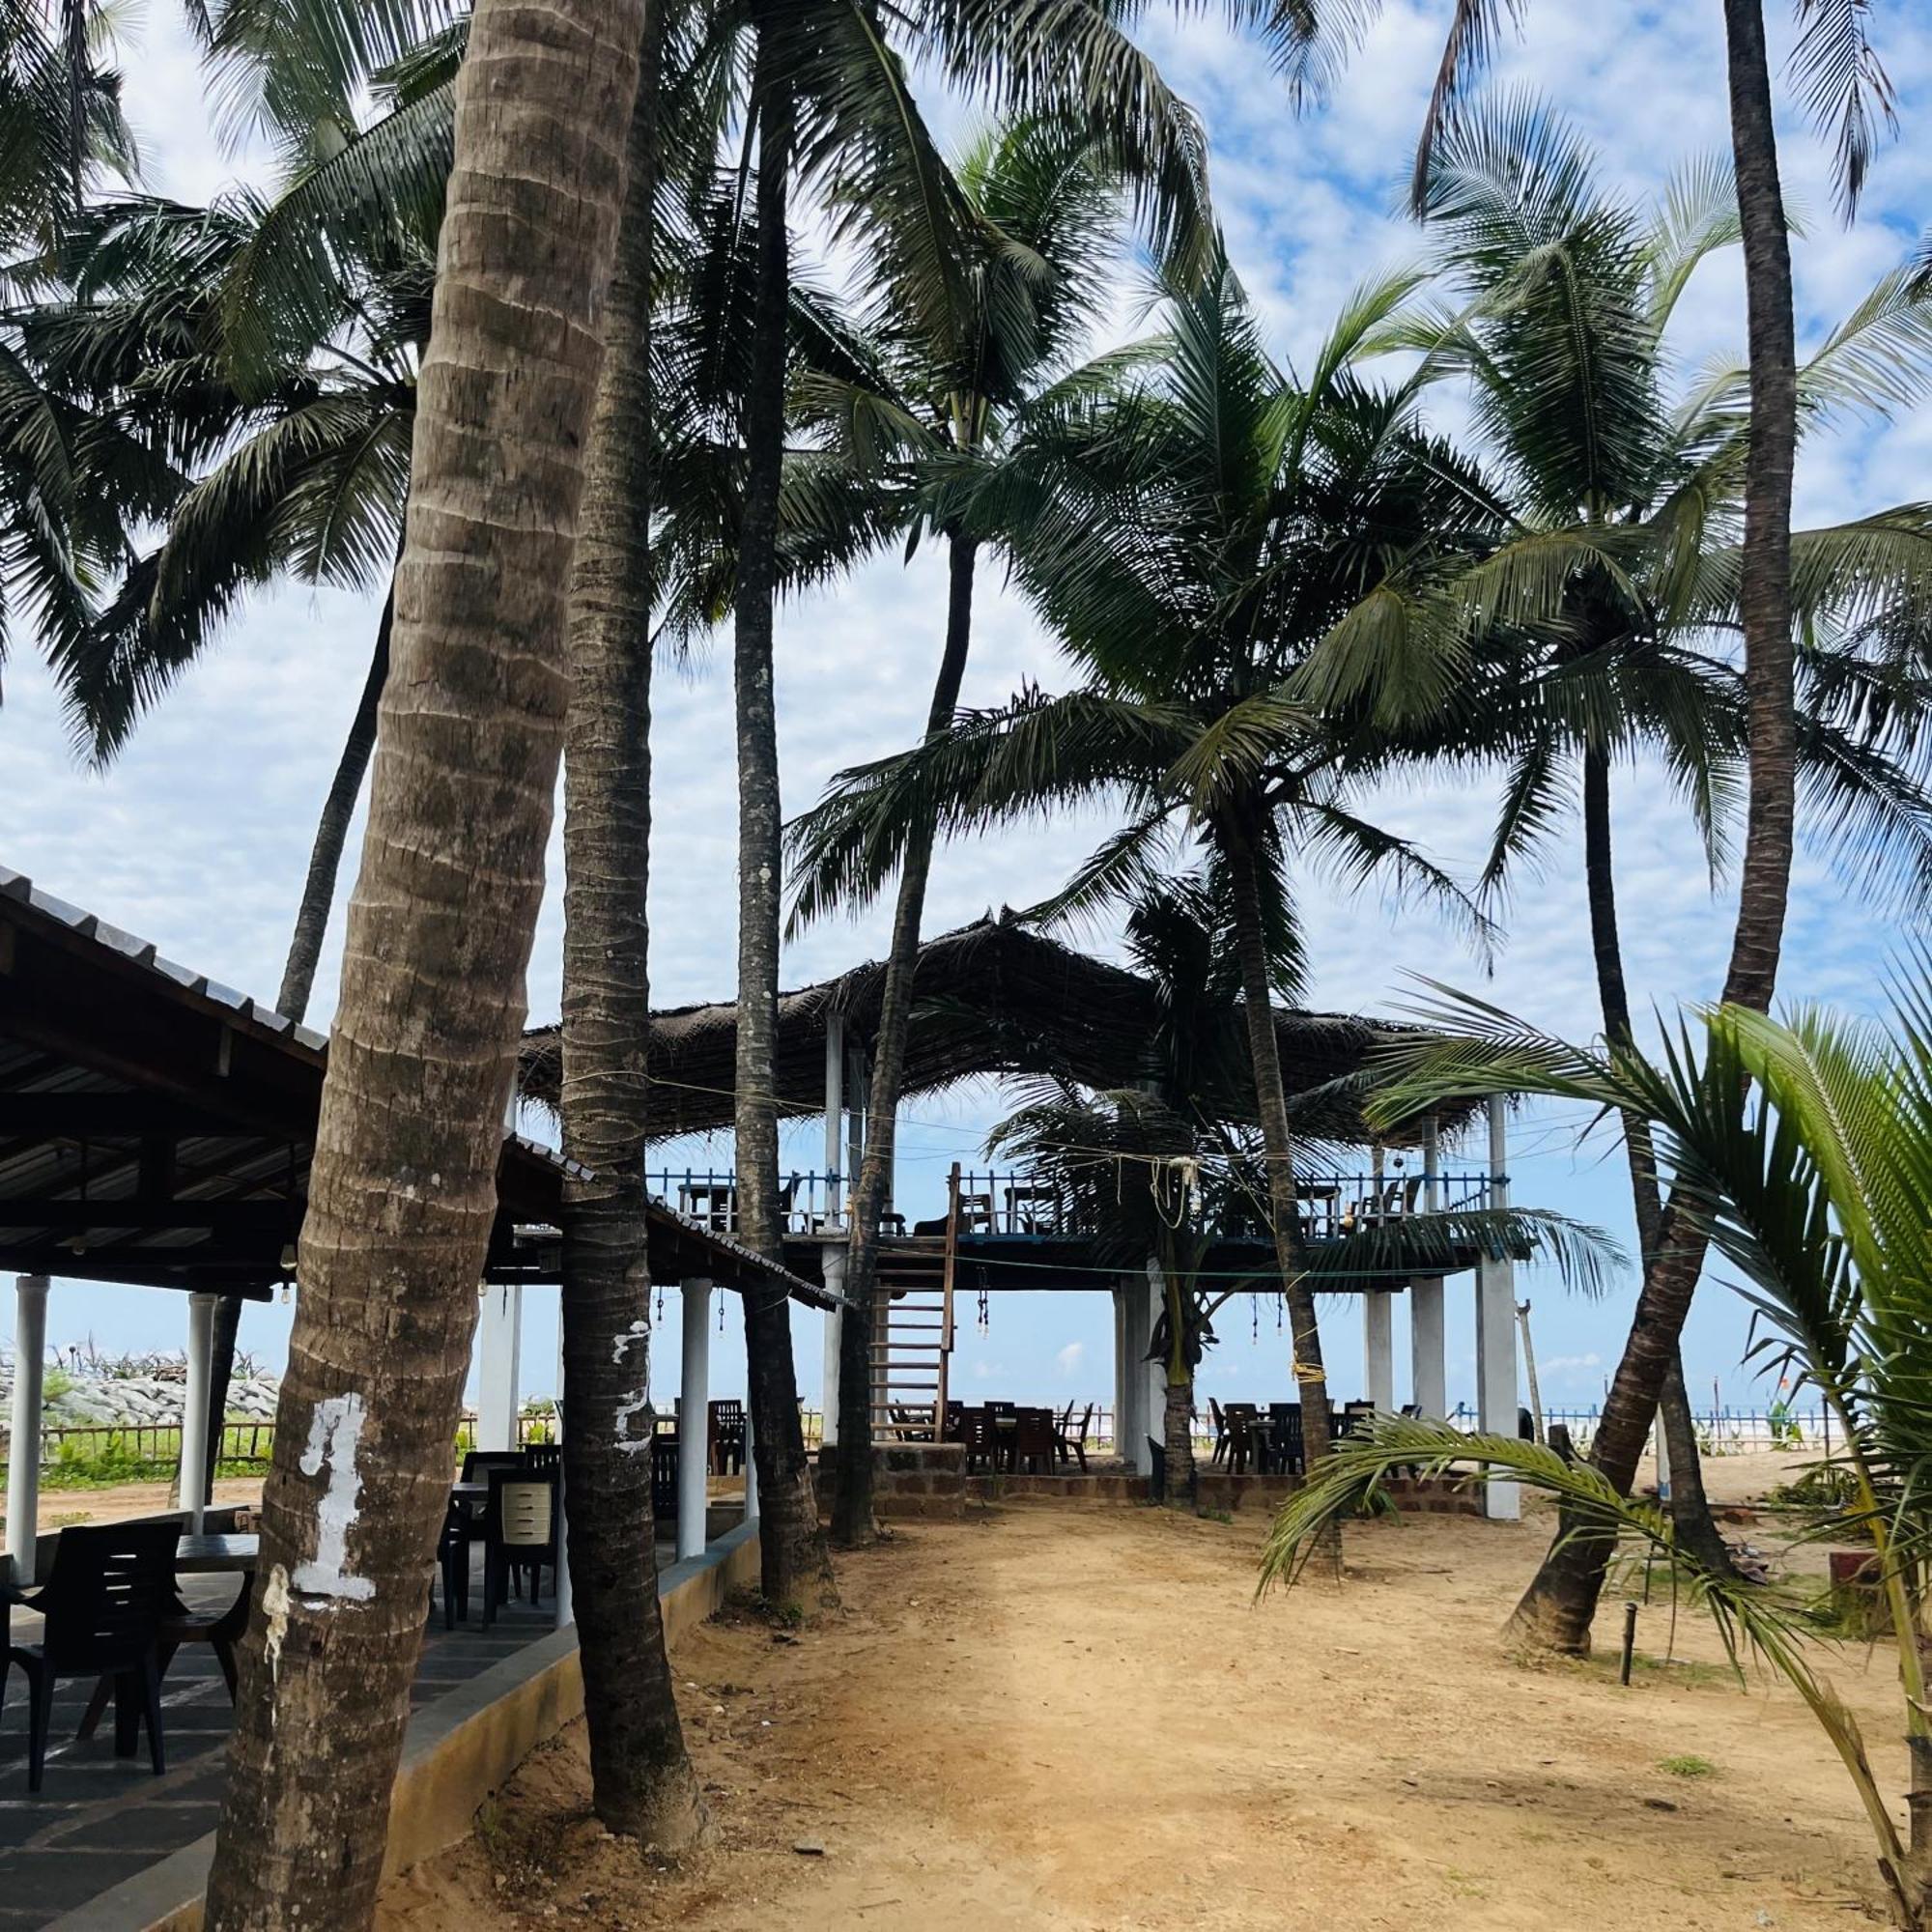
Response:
column 912, row 1331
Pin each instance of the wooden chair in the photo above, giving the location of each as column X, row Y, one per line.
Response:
column 104, row 1607
column 1036, row 1441
column 518, row 1535
column 1073, row 1443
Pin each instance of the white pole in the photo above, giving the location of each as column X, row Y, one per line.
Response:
column 1153, row 1375
column 1120, row 1435
column 751, row 1469
column 831, row 1265
column 194, row 1470
column 566, row 1614
column 1428, row 1357
column 1496, row 1326
column 1378, row 1349
column 23, row 1456
column 693, row 1419
column 499, row 1342
column 834, row 1107
column 1429, row 1379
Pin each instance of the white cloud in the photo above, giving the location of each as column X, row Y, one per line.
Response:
column 1068, row 1359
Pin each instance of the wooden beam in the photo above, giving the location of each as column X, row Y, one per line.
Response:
column 110, row 1117
column 138, row 1212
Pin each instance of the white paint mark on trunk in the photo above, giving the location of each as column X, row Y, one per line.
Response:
column 638, row 1403
column 334, row 1430
column 627, row 1340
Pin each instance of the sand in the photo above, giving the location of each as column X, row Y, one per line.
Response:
column 1054, row 1717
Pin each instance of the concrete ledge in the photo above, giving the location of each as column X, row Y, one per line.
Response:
column 458, row 1749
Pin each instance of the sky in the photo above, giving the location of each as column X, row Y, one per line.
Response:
column 197, row 837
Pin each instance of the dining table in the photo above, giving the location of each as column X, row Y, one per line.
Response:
column 231, row 1554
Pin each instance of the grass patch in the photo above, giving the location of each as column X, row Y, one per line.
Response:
column 1690, row 1765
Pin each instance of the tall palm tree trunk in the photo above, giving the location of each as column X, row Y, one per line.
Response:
column 852, row 1499
column 1556, row 1610
column 642, row 1780
column 1689, row 1506
column 1238, row 846
column 1183, row 1482
column 331, row 832
column 402, row 1189
column 792, row 1544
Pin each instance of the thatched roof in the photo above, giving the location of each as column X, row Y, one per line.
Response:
column 993, row 997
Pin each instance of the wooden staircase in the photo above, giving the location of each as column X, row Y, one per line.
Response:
column 912, row 1333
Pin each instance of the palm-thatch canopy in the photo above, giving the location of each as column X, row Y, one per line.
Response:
column 993, row 997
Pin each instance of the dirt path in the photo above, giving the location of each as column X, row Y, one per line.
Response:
column 1059, row 1717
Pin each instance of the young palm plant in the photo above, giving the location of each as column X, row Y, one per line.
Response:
column 1191, row 535
column 1819, row 1195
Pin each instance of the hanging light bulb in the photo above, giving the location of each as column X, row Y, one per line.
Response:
column 288, row 1257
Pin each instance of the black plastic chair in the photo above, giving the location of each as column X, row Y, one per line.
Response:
column 1073, row 1443
column 727, row 1439
column 452, row 1560
column 478, row 1462
column 518, row 1535
column 542, row 1458
column 111, row 1590
column 1287, row 1451
column 664, row 1478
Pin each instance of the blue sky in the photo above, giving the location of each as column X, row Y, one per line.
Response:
column 198, row 837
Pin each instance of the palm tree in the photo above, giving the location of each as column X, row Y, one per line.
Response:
column 642, row 1780
column 403, row 1185
column 1626, row 500
column 1192, row 537
column 1820, row 1198
column 942, row 377
column 1845, row 87
column 59, row 120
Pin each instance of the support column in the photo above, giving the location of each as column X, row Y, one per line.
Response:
column 23, row 1456
column 194, row 1470
column 750, row 1465
column 1428, row 1372
column 1496, row 1326
column 500, row 1345
column 1153, row 1379
column 1121, row 1381
column 831, row 1265
column 565, row 1614
column 1378, row 1349
column 694, row 1420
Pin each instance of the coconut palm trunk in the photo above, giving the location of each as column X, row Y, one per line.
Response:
column 331, row 832
column 642, row 1780
column 403, row 1187
column 1556, row 1610
column 1689, row 1506
column 1238, row 848
column 791, row 1543
column 325, row 862
column 852, row 1499
column 1184, row 1483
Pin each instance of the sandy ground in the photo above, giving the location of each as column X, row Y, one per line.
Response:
column 58, row 1508
column 1053, row 1717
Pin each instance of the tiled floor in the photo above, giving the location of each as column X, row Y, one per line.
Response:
column 99, row 1819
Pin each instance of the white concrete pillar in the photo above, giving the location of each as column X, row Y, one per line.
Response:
column 23, row 1454
column 1121, row 1397
column 1497, row 1400
column 499, row 1344
column 194, row 1470
column 1153, row 1419
column 693, row 1419
column 1378, row 1349
column 751, row 1463
column 834, row 1110
column 1427, row 1366
column 831, row 1265
column 565, row 1615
